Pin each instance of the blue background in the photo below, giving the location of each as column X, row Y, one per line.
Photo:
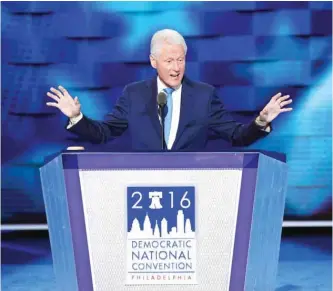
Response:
column 170, row 214
column 248, row 50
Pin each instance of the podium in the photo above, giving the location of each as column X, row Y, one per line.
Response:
column 165, row 220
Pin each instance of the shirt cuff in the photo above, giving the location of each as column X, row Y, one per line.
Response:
column 263, row 126
column 74, row 120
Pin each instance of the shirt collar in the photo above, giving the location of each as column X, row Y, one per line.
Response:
column 161, row 85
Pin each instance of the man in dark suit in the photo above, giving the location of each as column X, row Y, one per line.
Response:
column 193, row 111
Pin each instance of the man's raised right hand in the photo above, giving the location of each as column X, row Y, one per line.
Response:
column 66, row 104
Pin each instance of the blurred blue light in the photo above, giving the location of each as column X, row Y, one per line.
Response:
column 142, row 25
column 245, row 49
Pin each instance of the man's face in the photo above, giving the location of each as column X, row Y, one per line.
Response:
column 170, row 64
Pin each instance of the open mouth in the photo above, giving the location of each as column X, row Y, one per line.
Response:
column 174, row 76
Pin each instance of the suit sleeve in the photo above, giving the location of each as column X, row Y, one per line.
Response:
column 222, row 124
column 113, row 126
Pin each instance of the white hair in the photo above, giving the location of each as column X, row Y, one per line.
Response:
column 168, row 36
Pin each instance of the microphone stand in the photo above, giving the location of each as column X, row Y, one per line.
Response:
column 161, row 113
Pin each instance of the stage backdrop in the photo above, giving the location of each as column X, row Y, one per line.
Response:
column 248, row 50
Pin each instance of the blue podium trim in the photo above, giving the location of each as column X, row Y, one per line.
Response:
column 243, row 229
column 169, row 160
column 78, row 227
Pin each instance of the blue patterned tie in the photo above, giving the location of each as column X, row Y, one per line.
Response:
column 168, row 116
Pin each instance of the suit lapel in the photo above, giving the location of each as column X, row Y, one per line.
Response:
column 185, row 110
column 152, row 105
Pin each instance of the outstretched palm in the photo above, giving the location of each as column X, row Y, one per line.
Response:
column 274, row 107
column 66, row 104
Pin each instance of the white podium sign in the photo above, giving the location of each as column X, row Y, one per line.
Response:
column 167, row 250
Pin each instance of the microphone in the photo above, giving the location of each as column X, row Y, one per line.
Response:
column 162, row 101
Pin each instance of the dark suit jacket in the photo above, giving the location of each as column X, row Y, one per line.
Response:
column 202, row 115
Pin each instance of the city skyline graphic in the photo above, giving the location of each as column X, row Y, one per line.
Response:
column 160, row 229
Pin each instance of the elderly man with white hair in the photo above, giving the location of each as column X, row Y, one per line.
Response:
column 192, row 114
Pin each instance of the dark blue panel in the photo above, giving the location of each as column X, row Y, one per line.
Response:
column 319, row 67
column 30, row 6
column 40, row 51
column 104, row 24
column 239, row 98
column 110, row 76
column 285, row 22
column 282, row 73
column 141, row 6
column 229, row 48
column 25, row 88
column 321, row 22
column 263, row 5
column 114, row 50
column 223, row 5
column 22, row 203
column 157, row 6
column 320, row 5
column 31, row 26
column 321, row 47
column 282, row 48
column 47, row 7
column 193, row 70
column 21, row 130
column 218, row 23
column 33, row 154
column 226, row 73
column 28, row 177
column 85, row 75
column 192, row 49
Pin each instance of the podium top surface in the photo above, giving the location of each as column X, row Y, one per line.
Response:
column 166, row 160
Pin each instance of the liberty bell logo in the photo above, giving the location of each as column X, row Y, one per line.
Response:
column 155, row 200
